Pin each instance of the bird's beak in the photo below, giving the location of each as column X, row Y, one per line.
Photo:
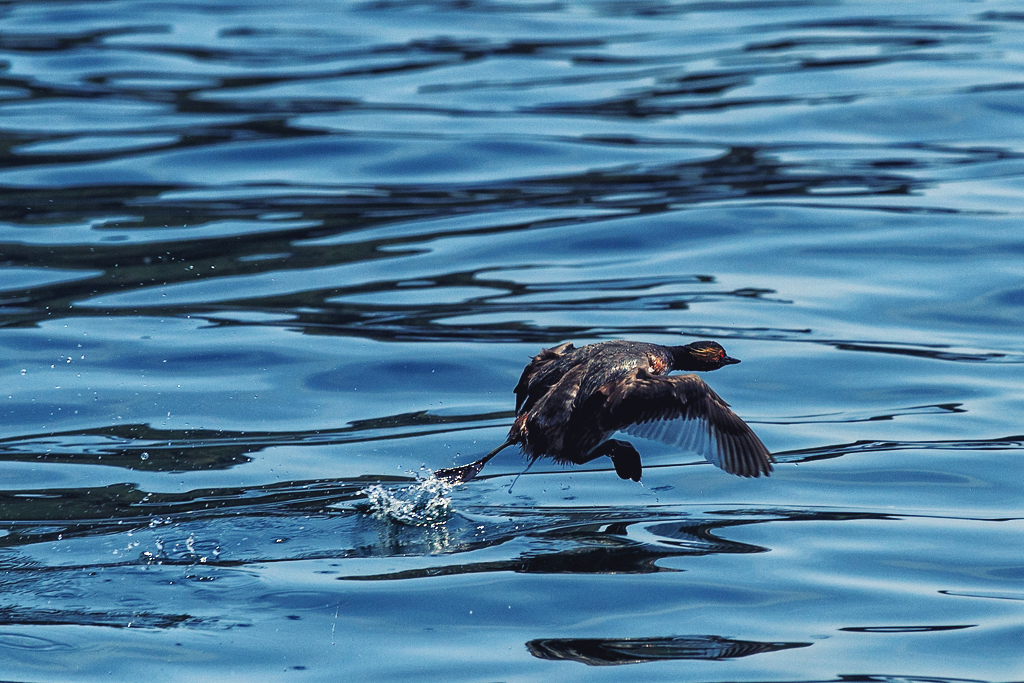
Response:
column 730, row 361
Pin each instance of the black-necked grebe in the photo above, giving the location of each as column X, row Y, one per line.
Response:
column 569, row 401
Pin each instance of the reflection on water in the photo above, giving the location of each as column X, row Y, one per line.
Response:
column 608, row 652
column 259, row 263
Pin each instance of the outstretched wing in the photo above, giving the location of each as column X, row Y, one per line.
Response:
column 534, row 382
column 681, row 410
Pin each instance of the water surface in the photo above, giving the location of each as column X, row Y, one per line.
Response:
column 264, row 266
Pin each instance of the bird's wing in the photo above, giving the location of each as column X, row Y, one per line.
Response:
column 532, row 381
column 681, row 410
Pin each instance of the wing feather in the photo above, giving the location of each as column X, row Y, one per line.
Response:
column 681, row 410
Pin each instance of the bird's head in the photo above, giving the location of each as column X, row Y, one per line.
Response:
column 703, row 356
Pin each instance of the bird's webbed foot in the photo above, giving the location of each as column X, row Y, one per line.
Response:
column 624, row 457
column 463, row 473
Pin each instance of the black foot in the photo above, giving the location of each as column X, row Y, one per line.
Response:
column 462, row 473
column 628, row 466
column 624, row 457
column 457, row 475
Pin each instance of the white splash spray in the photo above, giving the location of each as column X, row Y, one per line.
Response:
column 424, row 503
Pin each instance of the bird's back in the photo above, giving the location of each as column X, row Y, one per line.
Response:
column 585, row 369
column 552, row 396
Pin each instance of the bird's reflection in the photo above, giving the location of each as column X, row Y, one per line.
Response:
column 614, row 651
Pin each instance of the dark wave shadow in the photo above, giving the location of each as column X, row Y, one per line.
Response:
column 876, row 678
column 849, row 416
column 26, row 616
column 907, row 629
column 288, row 231
column 986, row 595
column 616, row 651
column 331, row 518
column 141, row 447
column 934, row 353
column 626, row 542
column 43, row 515
column 347, row 309
column 205, row 110
column 1006, row 443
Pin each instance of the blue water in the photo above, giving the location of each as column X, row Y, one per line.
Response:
column 265, row 266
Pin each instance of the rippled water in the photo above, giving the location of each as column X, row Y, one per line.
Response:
column 263, row 266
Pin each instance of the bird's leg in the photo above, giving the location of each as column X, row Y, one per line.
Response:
column 457, row 475
column 623, row 455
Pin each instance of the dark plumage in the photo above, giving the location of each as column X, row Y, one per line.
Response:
column 569, row 402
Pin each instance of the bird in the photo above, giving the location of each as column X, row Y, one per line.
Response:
column 570, row 401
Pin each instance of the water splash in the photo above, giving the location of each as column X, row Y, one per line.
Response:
column 425, row 503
